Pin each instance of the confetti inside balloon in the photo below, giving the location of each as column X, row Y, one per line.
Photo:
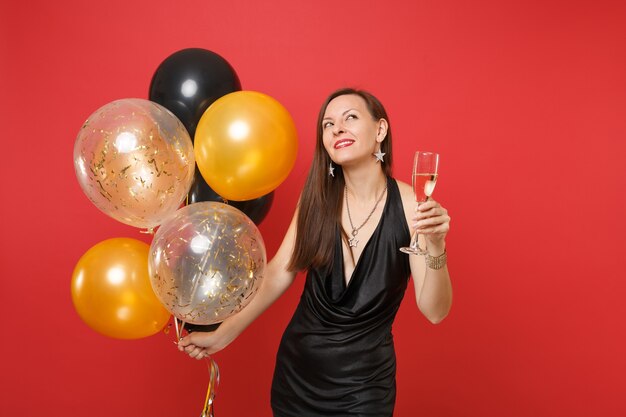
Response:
column 206, row 262
column 134, row 160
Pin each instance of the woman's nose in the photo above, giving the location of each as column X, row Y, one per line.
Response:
column 338, row 129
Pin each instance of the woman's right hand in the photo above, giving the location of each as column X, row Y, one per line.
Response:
column 199, row 345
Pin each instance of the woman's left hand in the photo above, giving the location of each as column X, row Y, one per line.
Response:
column 432, row 221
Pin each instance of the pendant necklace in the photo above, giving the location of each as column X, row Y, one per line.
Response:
column 353, row 240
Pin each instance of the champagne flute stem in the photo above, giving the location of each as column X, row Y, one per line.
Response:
column 413, row 244
column 415, row 238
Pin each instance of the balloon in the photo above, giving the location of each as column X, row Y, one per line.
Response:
column 198, row 328
column 255, row 209
column 135, row 161
column 111, row 290
column 189, row 81
column 245, row 145
column 206, row 262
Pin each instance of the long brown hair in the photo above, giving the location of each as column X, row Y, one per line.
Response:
column 320, row 205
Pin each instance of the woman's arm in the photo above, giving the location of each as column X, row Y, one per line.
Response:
column 275, row 282
column 433, row 289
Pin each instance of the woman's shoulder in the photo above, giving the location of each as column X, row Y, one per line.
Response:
column 406, row 194
column 406, row 191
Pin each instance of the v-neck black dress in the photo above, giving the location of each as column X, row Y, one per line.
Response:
column 336, row 357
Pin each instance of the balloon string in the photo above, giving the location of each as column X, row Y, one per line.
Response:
column 179, row 328
column 214, row 373
column 214, row 380
column 182, row 329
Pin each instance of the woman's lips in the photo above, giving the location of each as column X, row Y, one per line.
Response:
column 342, row 143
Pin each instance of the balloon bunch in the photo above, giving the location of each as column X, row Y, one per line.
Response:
column 199, row 142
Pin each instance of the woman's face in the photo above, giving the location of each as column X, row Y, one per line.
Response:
column 349, row 132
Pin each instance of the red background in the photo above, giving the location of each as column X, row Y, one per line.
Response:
column 525, row 101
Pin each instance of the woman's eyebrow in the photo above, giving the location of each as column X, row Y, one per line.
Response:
column 343, row 114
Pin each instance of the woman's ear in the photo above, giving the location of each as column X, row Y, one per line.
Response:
column 382, row 130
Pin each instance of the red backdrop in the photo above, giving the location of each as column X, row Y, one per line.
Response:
column 525, row 101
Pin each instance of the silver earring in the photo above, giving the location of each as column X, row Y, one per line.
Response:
column 331, row 170
column 379, row 155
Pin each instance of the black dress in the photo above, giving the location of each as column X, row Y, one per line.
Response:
column 336, row 357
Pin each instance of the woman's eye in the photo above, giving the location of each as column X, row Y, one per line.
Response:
column 327, row 124
column 351, row 116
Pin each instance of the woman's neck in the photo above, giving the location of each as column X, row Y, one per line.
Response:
column 365, row 184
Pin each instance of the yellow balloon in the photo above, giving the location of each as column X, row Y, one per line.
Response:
column 112, row 293
column 245, row 145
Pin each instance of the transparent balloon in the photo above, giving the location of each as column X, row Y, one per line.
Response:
column 134, row 160
column 206, row 262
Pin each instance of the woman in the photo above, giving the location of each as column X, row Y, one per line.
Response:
column 336, row 356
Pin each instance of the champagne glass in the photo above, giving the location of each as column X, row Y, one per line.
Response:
column 424, row 179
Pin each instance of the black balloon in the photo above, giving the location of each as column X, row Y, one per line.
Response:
column 255, row 209
column 189, row 81
column 201, row 327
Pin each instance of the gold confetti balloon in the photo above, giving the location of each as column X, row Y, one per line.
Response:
column 134, row 160
column 206, row 262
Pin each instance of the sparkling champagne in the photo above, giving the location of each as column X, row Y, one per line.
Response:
column 423, row 186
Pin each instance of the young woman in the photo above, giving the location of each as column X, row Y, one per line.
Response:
column 336, row 357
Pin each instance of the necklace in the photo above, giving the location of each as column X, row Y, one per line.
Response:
column 353, row 240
